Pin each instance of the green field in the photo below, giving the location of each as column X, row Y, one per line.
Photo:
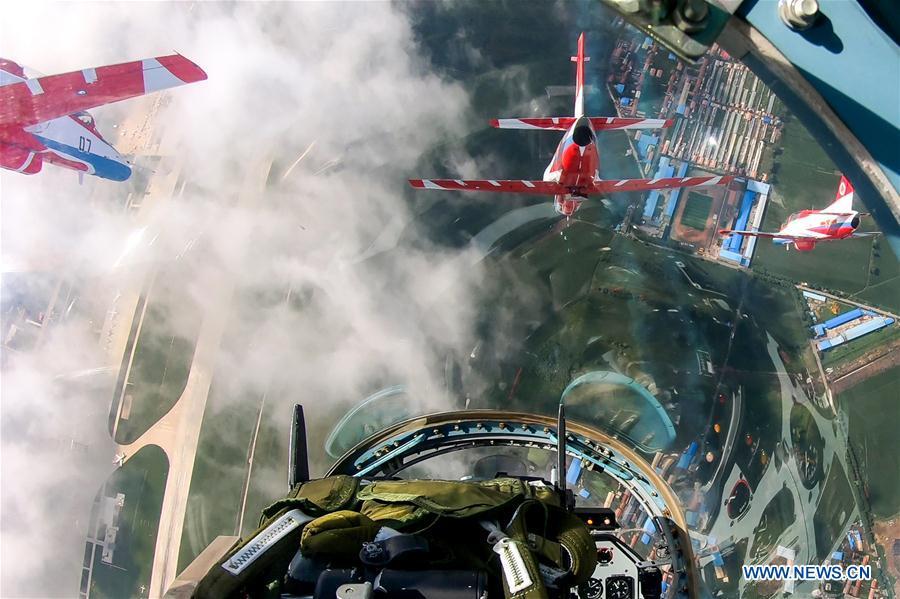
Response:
column 808, row 445
column 872, row 407
column 220, row 468
column 696, row 211
column 159, row 372
column 776, row 517
column 229, row 423
column 834, row 509
column 857, row 347
column 806, row 178
column 142, row 479
column 640, row 307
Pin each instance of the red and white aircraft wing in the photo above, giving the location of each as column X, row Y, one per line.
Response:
column 608, row 122
column 614, row 185
column 562, row 123
column 41, row 99
column 495, row 185
column 812, row 237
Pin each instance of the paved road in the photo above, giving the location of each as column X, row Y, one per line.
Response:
column 800, row 529
column 178, row 432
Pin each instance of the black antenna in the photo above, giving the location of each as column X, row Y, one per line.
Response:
column 298, row 459
column 561, row 447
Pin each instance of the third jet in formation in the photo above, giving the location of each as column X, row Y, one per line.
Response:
column 806, row 228
column 573, row 175
column 44, row 120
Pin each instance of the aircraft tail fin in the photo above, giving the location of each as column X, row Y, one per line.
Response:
column 843, row 199
column 579, row 61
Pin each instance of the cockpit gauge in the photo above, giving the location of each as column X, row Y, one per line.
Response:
column 620, row 587
column 592, row 590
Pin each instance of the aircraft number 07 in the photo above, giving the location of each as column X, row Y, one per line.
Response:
column 84, row 144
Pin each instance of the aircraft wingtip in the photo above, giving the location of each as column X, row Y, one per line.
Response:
column 183, row 68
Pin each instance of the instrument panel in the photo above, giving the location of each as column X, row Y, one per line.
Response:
column 620, row 573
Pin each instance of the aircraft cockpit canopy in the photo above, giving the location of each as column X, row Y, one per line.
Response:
column 85, row 118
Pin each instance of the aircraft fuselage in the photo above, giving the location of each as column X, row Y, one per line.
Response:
column 826, row 226
column 575, row 164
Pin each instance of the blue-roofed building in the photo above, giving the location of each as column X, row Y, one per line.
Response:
column 729, row 255
column 620, row 88
column 734, row 249
column 688, row 456
column 692, row 518
column 663, row 170
column 650, row 204
column 585, row 493
column 839, row 320
column 870, row 326
column 827, row 344
column 676, row 193
column 625, row 101
column 814, row 296
column 574, row 472
column 733, row 243
column 649, row 529
column 671, row 56
column 644, row 142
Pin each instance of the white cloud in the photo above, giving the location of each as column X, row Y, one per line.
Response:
column 346, row 76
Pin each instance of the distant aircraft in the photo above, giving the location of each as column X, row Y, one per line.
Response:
column 806, row 228
column 573, row 175
column 44, row 119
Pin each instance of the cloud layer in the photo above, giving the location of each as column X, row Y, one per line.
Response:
column 345, row 82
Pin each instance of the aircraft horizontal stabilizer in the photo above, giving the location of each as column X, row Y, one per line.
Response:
column 601, row 123
column 495, row 185
column 614, row 185
column 562, row 123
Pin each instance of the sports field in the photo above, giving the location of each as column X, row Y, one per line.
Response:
column 873, row 435
column 696, row 210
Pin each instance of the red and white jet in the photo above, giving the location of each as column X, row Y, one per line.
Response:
column 45, row 119
column 806, row 228
column 573, row 175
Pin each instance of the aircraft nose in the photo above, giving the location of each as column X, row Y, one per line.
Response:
column 582, row 132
